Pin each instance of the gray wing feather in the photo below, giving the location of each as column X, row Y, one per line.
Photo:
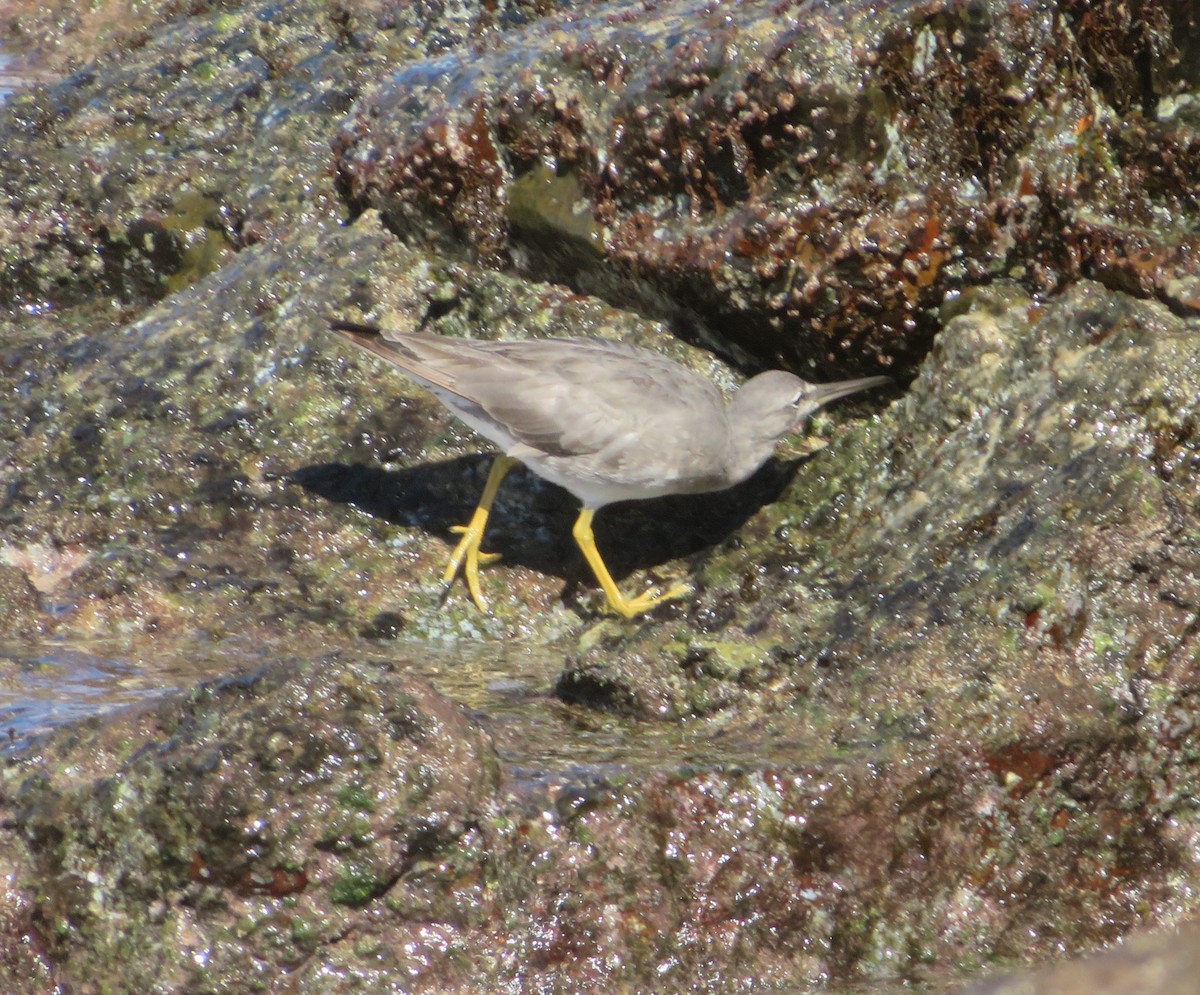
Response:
column 563, row 397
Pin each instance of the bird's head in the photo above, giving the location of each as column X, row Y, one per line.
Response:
column 775, row 404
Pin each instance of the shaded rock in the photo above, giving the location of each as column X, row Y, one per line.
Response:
column 803, row 184
column 1148, row 963
column 20, row 605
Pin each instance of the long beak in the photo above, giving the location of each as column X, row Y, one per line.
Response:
column 823, row 393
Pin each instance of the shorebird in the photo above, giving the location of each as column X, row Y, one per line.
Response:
column 604, row 420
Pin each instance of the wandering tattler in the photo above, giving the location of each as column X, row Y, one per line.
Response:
column 604, row 420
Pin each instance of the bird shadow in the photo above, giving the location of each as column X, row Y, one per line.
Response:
column 531, row 520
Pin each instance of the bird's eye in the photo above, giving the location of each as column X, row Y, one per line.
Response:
column 798, row 400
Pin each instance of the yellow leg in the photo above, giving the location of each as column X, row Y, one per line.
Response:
column 466, row 555
column 616, row 600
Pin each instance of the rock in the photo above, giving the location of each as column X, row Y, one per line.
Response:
column 20, row 606
column 1150, row 963
column 803, row 182
column 938, row 677
column 234, row 832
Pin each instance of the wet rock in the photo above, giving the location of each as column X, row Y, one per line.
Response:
column 20, row 606
column 256, row 814
column 335, row 824
column 1033, row 512
column 802, row 183
column 939, row 675
column 1149, row 963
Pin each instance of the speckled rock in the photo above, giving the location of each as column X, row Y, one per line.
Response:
column 334, row 826
column 1033, row 524
column 939, row 676
column 217, row 843
column 804, row 183
column 1148, row 963
column 20, row 605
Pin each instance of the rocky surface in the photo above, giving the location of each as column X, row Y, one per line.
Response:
column 1151, row 963
column 931, row 700
column 801, row 185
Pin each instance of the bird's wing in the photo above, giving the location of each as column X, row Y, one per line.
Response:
column 577, row 397
column 424, row 356
column 562, row 397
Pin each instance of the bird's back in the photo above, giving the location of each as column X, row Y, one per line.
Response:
column 605, row 420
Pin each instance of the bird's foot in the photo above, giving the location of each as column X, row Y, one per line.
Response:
column 467, row 558
column 483, row 559
column 631, row 607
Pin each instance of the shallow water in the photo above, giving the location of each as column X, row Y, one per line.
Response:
column 49, row 684
column 14, row 77
column 507, row 687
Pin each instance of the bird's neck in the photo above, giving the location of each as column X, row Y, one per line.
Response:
column 745, row 462
column 748, row 449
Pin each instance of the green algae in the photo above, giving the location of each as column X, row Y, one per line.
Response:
column 903, row 606
column 551, row 210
